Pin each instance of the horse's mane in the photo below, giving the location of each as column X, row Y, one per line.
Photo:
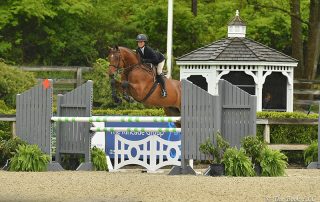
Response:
column 129, row 50
column 145, row 67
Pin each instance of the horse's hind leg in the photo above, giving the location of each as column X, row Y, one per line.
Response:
column 173, row 111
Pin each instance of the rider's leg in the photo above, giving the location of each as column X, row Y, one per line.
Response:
column 161, row 79
column 160, row 67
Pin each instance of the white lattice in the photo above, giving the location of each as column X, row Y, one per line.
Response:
column 146, row 148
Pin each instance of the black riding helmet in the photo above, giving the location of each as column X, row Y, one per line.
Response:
column 142, row 37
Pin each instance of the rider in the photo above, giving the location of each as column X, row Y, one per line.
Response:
column 148, row 55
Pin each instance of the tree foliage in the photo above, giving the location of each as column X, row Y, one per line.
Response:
column 13, row 81
column 78, row 32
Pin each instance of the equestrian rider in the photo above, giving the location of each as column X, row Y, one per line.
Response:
column 148, row 55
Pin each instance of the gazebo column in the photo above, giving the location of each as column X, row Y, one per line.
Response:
column 219, row 75
column 211, row 80
column 289, row 76
column 259, row 86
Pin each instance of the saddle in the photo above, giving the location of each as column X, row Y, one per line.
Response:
column 158, row 79
column 149, row 67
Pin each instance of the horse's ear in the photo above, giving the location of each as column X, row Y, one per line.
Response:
column 116, row 47
column 109, row 50
column 138, row 56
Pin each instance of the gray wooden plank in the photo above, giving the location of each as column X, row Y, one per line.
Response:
column 184, row 122
column 193, row 124
column 190, row 118
column 36, row 129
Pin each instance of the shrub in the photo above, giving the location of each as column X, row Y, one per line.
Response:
column 4, row 135
column 12, row 82
column 4, row 109
column 311, row 153
column 29, row 158
column 290, row 134
column 207, row 148
column 8, row 148
column 253, row 147
column 99, row 160
column 273, row 162
column 216, row 152
column 237, row 163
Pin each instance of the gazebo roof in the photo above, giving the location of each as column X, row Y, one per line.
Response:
column 236, row 49
column 237, row 20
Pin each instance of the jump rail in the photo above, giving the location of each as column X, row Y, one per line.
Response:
column 116, row 119
column 126, row 129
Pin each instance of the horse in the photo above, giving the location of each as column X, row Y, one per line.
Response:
column 139, row 81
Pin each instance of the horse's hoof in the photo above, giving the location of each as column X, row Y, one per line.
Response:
column 131, row 100
column 117, row 100
column 128, row 99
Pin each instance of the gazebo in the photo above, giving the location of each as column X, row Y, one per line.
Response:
column 252, row 66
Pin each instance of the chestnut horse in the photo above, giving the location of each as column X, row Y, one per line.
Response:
column 138, row 81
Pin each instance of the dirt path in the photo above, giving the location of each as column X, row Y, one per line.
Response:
column 299, row 185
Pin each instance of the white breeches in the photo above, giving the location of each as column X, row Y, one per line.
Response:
column 160, row 67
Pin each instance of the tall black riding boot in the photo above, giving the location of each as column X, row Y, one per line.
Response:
column 163, row 85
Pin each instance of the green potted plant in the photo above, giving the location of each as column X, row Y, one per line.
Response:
column 8, row 149
column 237, row 163
column 273, row 162
column 253, row 147
column 29, row 158
column 311, row 153
column 99, row 160
column 215, row 152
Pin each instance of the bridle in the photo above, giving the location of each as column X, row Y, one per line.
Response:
column 126, row 69
column 117, row 67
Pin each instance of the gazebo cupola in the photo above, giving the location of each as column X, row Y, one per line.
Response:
column 250, row 65
column 236, row 27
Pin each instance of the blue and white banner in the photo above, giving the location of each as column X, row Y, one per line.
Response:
column 106, row 140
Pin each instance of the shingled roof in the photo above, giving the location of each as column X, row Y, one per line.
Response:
column 237, row 20
column 236, row 49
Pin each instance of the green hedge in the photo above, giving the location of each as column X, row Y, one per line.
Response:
column 289, row 134
column 285, row 115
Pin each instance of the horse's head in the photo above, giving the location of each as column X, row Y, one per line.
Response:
column 115, row 59
column 121, row 57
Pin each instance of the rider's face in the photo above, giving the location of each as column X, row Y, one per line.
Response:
column 140, row 44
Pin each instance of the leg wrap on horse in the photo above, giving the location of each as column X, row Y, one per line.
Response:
column 115, row 98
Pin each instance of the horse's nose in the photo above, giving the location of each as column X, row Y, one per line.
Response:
column 111, row 70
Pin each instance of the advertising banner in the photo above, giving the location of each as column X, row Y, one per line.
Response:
column 105, row 140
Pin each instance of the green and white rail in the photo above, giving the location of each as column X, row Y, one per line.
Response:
column 127, row 129
column 116, row 119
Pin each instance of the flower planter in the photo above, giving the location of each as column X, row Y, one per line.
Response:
column 257, row 169
column 216, row 169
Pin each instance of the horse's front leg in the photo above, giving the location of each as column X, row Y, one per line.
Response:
column 125, row 86
column 115, row 85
